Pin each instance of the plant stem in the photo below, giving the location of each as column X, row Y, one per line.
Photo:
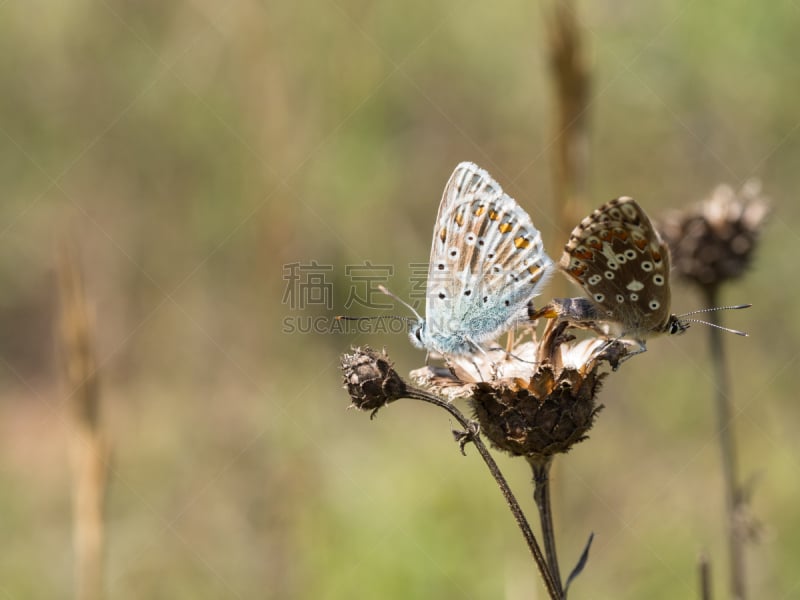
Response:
column 89, row 449
column 471, row 434
column 571, row 82
column 705, row 577
column 733, row 491
column 540, row 466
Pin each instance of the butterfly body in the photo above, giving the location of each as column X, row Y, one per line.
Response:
column 487, row 262
column 622, row 263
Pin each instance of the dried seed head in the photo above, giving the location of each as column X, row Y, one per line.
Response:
column 536, row 407
column 547, row 416
column 370, row 379
column 714, row 241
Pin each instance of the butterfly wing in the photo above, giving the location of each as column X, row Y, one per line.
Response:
column 622, row 263
column 487, row 261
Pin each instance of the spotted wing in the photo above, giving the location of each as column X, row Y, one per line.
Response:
column 622, row 263
column 487, row 259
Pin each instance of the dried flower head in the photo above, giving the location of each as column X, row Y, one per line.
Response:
column 537, row 400
column 370, row 379
column 713, row 241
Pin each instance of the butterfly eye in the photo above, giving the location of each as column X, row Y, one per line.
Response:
column 676, row 327
column 418, row 334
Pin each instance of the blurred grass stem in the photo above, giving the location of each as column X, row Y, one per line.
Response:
column 704, row 567
column 569, row 73
column 734, row 498
column 88, row 448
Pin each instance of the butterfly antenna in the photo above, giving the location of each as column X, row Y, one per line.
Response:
column 401, row 301
column 715, row 308
column 388, row 293
column 728, row 329
column 346, row 318
column 705, row 310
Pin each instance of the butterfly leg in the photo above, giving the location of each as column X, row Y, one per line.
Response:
column 640, row 348
column 478, row 369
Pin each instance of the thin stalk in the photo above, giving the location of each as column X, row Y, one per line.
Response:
column 471, row 434
column 88, row 447
column 541, row 494
column 705, row 577
column 571, row 83
column 733, row 491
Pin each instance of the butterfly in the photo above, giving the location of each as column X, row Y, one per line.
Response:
column 487, row 262
column 618, row 257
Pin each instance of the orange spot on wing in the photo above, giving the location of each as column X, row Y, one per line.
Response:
column 521, row 243
column 596, row 244
column 583, row 255
column 504, row 227
column 656, row 256
column 640, row 244
column 443, row 234
column 493, row 216
column 605, row 235
column 578, row 271
column 460, row 219
column 479, row 211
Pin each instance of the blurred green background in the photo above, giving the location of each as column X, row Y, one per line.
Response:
column 194, row 149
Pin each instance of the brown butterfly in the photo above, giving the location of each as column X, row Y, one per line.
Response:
column 620, row 260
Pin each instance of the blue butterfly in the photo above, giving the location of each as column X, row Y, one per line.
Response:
column 487, row 263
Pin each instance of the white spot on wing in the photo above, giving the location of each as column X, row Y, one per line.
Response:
column 635, row 285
